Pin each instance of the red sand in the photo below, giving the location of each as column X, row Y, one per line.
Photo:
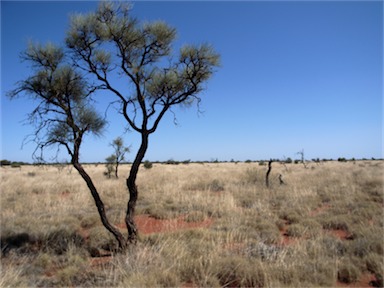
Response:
column 148, row 225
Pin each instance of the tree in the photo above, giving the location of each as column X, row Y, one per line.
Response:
column 64, row 113
column 301, row 153
column 119, row 153
column 110, row 44
column 110, row 165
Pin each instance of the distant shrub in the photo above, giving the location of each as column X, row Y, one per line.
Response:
column 288, row 160
column 341, row 159
column 172, row 162
column 261, row 163
column 5, row 163
column 248, row 161
column 15, row 165
column 147, row 164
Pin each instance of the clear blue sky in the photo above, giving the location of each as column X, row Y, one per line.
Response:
column 294, row 75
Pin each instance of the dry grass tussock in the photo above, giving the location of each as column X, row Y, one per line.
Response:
column 323, row 227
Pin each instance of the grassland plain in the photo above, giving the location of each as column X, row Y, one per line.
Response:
column 221, row 226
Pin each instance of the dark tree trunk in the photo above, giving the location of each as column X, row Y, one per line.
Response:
column 100, row 207
column 269, row 171
column 132, row 188
column 117, row 167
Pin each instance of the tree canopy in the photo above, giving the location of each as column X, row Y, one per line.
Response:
column 110, row 43
column 64, row 113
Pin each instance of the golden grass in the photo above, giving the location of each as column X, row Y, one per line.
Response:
column 244, row 246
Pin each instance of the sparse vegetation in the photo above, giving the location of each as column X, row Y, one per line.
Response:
column 325, row 226
column 147, row 164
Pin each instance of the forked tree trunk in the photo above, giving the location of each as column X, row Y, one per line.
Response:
column 100, row 207
column 132, row 188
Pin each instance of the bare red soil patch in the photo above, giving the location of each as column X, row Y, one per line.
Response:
column 149, row 225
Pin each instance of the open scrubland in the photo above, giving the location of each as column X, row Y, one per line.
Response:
column 211, row 224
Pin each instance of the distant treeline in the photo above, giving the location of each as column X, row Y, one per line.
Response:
column 288, row 160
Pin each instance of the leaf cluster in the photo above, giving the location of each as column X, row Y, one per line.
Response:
column 64, row 112
column 110, row 42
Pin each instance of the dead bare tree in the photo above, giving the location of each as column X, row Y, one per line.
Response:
column 301, row 153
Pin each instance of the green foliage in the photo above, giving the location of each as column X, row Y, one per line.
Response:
column 5, row 163
column 147, row 164
column 110, row 165
column 120, row 149
column 172, row 162
column 15, row 165
column 63, row 114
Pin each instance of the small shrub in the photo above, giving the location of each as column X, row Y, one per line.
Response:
column 336, row 222
column 334, row 246
column 216, row 186
column 295, row 230
column 60, row 240
column 290, row 215
column 239, row 272
column 348, row 273
column 195, row 216
column 159, row 211
column 147, row 164
column 375, row 263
